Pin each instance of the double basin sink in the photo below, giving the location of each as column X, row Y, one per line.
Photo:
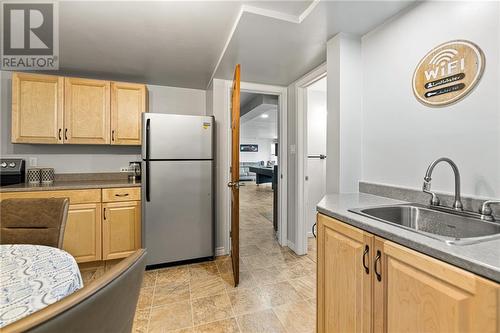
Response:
column 452, row 227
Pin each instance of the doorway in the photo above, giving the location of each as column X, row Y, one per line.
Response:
column 315, row 166
column 311, row 100
column 258, row 172
column 281, row 94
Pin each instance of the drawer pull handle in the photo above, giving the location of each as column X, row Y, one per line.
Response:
column 375, row 266
column 104, row 212
column 65, row 134
column 60, row 137
column 365, row 254
column 121, row 195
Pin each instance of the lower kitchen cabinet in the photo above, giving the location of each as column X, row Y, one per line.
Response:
column 121, row 229
column 101, row 224
column 366, row 283
column 344, row 297
column 82, row 236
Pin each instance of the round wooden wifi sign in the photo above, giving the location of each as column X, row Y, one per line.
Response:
column 448, row 73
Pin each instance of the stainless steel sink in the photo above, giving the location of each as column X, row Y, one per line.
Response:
column 460, row 228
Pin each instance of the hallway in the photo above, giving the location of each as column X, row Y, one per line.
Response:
column 277, row 291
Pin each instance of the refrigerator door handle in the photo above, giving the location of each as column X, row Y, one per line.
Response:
column 148, row 177
column 148, row 136
column 148, row 191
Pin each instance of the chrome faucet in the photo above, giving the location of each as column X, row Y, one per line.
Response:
column 457, row 205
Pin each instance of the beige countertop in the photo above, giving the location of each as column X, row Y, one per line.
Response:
column 71, row 185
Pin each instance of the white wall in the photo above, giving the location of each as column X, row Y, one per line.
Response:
column 264, row 153
column 164, row 99
column 402, row 136
column 344, row 119
column 88, row 158
column 218, row 97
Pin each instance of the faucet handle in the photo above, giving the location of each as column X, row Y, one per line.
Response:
column 486, row 211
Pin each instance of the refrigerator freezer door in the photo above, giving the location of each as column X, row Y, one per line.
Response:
column 178, row 218
column 176, row 137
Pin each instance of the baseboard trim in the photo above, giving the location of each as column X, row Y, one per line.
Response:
column 292, row 246
column 220, row 251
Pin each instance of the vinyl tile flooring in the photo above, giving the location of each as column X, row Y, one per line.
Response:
column 276, row 293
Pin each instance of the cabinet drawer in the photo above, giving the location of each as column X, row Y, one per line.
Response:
column 75, row 196
column 121, row 194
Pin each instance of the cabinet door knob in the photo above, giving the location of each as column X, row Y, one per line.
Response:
column 376, row 265
column 365, row 255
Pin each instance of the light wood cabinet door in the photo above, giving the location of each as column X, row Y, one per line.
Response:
column 121, row 230
column 418, row 293
column 37, row 104
column 86, row 111
column 82, row 237
column 344, row 278
column 128, row 102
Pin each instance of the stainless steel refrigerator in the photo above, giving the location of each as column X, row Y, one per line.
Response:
column 177, row 187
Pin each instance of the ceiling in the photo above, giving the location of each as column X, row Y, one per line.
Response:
column 186, row 43
column 261, row 122
column 273, row 51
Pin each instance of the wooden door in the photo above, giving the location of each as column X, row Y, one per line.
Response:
column 82, row 237
column 344, row 277
column 121, row 229
column 417, row 293
column 128, row 102
column 235, row 175
column 37, row 108
column 86, row 111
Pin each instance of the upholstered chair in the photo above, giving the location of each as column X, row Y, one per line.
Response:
column 33, row 221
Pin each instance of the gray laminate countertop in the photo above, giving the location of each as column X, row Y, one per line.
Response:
column 70, row 185
column 482, row 258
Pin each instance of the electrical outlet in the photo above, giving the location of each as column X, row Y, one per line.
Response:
column 124, row 169
column 33, row 161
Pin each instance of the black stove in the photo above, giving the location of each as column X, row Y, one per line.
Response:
column 12, row 171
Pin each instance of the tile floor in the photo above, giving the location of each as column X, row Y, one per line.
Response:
column 277, row 290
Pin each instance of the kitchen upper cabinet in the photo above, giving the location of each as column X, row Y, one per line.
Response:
column 86, row 111
column 128, row 102
column 417, row 293
column 82, row 236
column 344, row 280
column 121, row 229
column 366, row 283
column 37, row 108
column 54, row 109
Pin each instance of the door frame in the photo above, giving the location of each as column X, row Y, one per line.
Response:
column 301, row 107
column 281, row 92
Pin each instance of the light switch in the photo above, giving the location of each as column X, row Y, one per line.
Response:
column 293, row 149
column 33, row 161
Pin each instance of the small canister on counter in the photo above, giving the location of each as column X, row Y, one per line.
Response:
column 47, row 176
column 33, row 176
